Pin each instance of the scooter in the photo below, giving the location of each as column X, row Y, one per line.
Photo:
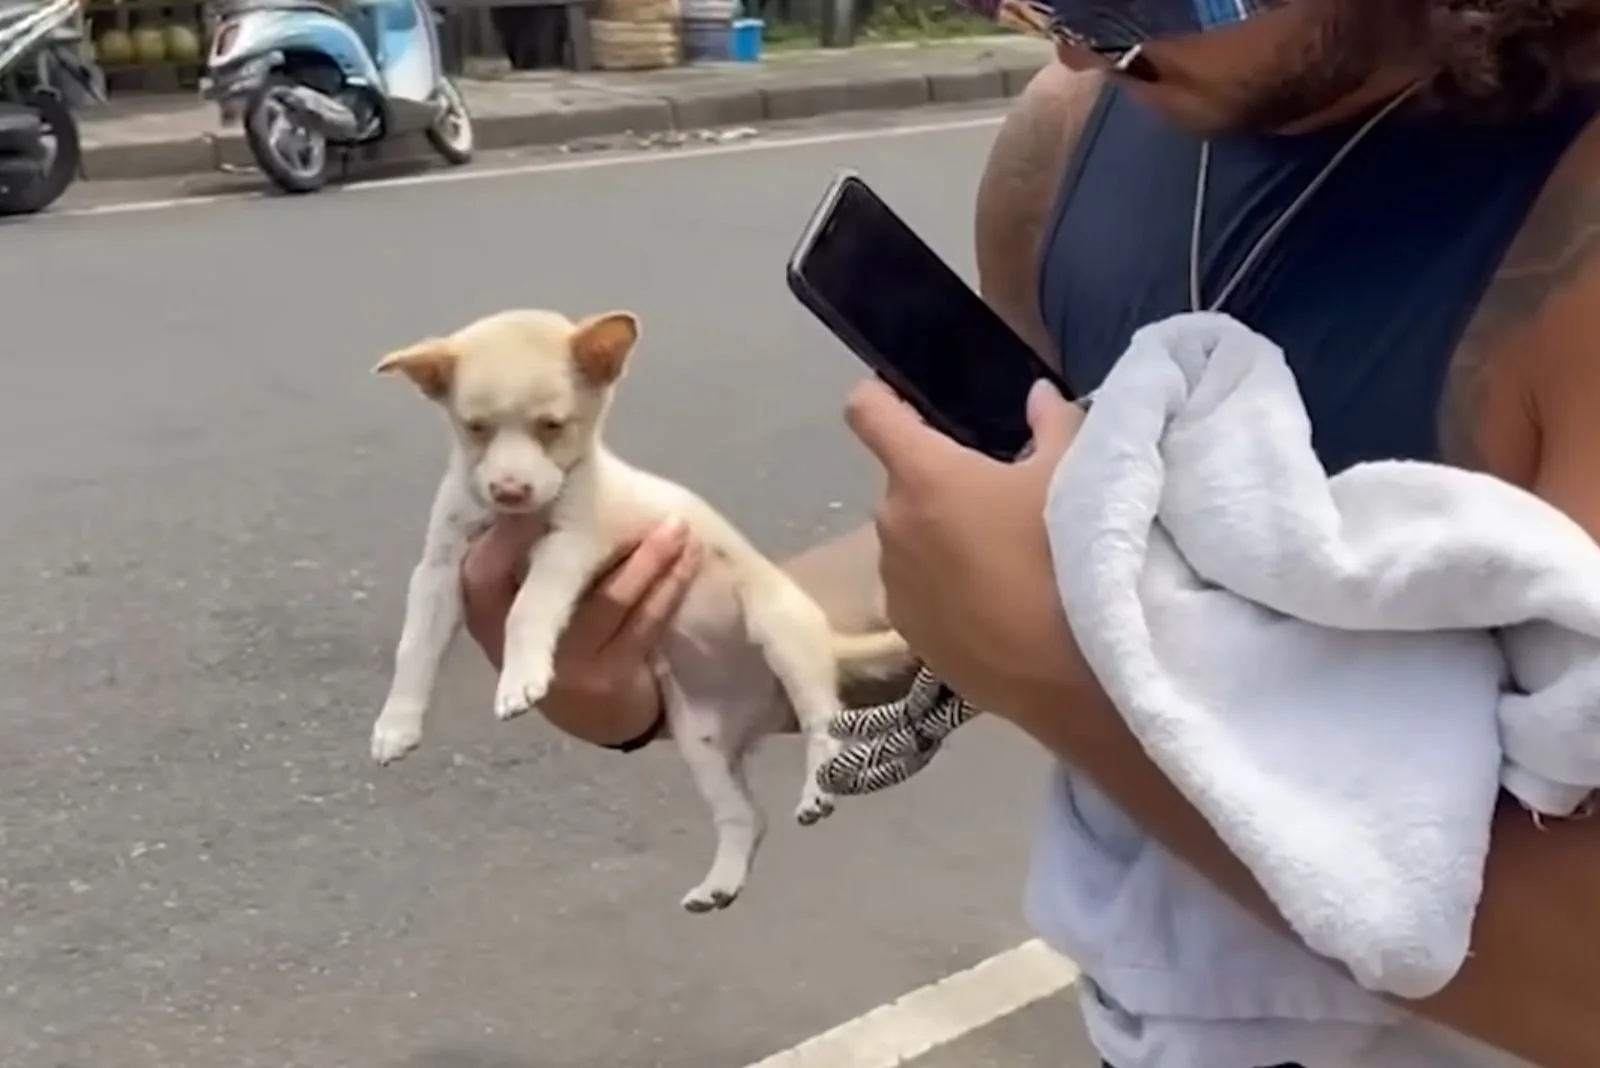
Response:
column 43, row 71
column 307, row 79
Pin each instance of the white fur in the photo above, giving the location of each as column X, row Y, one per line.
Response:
column 525, row 368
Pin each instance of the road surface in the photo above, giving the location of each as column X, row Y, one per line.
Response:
column 210, row 511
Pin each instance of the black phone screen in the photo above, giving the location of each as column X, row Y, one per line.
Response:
column 913, row 320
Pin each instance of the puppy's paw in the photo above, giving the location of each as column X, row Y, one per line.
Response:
column 712, row 895
column 396, row 733
column 522, row 686
column 815, row 806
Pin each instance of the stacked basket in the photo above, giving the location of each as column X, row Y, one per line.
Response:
column 636, row 35
column 708, row 29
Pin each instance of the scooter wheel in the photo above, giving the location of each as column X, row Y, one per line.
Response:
column 451, row 133
column 290, row 153
column 24, row 196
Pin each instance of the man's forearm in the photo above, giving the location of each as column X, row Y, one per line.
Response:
column 842, row 575
column 1529, row 985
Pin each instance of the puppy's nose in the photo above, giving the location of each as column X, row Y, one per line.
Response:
column 510, row 494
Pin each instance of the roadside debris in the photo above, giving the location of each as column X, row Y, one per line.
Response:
column 663, row 139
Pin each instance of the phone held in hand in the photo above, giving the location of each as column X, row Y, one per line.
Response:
column 911, row 319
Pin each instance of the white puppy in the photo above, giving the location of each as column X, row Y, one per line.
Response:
column 527, row 393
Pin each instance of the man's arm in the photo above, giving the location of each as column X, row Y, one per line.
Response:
column 1530, row 984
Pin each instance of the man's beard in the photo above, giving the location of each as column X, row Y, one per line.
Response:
column 1351, row 42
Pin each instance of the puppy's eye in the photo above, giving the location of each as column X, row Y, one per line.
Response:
column 478, row 429
column 547, row 428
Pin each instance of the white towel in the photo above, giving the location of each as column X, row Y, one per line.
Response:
column 1339, row 673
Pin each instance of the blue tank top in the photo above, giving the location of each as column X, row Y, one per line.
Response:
column 1368, row 290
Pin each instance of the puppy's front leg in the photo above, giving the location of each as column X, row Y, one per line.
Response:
column 433, row 617
column 558, row 574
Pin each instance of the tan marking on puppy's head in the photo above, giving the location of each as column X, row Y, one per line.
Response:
column 527, row 392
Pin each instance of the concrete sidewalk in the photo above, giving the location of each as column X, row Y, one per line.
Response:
column 180, row 135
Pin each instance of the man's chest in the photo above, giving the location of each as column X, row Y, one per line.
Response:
column 1373, row 370
column 1391, row 294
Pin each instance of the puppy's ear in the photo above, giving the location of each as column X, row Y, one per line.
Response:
column 430, row 364
column 602, row 343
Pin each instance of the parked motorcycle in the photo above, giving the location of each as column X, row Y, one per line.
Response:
column 43, row 71
column 305, row 76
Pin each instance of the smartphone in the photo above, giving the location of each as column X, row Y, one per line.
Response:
column 911, row 319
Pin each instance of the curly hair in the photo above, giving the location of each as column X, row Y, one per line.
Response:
column 1504, row 58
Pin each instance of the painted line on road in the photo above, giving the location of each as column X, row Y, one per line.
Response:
column 623, row 159
column 936, row 1014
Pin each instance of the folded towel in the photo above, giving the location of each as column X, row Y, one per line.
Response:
column 1339, row 673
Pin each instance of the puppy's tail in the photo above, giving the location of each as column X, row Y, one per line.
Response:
column 878, row 654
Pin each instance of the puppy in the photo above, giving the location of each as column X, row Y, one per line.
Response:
column 526, row 393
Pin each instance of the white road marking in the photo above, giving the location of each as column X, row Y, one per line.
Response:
column 596, row 162
column 936, row 1014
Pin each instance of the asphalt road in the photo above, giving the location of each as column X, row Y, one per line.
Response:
column 209, row 510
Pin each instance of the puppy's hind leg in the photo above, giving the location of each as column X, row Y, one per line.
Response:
column 816, row 804
column 794, row 635
column 716, row 761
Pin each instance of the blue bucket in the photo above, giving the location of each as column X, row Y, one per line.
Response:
column 746, row 40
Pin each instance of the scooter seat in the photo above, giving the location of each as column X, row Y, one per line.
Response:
column 227, row 8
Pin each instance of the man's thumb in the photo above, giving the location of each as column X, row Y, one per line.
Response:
column 1052, row 418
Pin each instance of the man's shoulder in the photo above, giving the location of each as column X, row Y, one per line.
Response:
column 1044, row 124
column 1059, row 87
column 1552, row 342
column 1538, row 314
column 1558, row 241
column 1019, row 187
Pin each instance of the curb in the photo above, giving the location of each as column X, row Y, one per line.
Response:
column 802, row 98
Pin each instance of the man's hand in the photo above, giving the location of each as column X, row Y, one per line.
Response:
column 965, row 560
column 603, row 691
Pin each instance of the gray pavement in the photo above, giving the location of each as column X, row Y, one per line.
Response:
column 209, row 511
column 1047, row 1034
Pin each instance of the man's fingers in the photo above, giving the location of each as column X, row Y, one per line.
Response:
column 883, row 422
column 1053, row 419
column 614, row 598
column 641, row 632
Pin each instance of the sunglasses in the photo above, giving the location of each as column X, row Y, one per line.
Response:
column 1114, row 44
column 1113, row 34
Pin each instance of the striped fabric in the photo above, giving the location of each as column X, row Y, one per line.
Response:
column 884, row 745
column 1117, row 24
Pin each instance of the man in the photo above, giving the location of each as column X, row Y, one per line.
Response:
column 1405, row 194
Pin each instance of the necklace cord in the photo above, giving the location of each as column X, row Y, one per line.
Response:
column 1265, row 242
